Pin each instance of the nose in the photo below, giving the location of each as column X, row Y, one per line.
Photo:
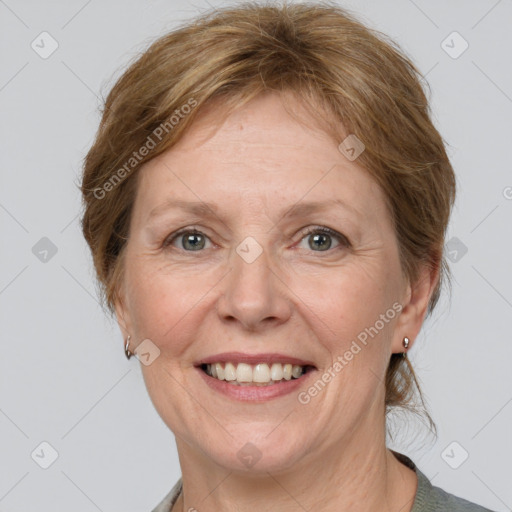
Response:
column 254, row 294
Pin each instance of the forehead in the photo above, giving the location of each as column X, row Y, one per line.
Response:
column 264, row 122
column 259, row 156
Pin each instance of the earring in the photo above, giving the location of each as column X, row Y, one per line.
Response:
column 405, row 343
column 126, row 350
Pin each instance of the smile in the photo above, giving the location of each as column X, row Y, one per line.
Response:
column 254, row 377
column 260, row 374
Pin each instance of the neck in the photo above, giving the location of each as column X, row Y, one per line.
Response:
column 355, row 476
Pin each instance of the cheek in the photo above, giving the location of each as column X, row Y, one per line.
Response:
column 351, row 314
column 162, row 303
column 343, row 302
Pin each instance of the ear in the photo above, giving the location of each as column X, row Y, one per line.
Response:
column 414, row 307
column 122, row 316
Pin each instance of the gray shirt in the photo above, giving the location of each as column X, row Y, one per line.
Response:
column 428, row 498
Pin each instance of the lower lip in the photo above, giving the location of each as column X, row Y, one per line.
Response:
column 254, row 393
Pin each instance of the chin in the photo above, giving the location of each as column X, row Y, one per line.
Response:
column 247, row 453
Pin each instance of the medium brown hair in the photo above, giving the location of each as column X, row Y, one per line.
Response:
column 352, row 78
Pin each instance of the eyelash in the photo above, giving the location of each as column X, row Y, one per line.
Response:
column 343, row 240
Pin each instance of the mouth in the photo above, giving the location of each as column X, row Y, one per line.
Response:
column 260, row 374
column 259, row 370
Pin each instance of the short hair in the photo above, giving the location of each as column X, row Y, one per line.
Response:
column 352, row 78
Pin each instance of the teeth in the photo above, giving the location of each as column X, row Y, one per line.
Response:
column 296, row 371
column 230, row 372
column 260, row 374
column 276, row 372
column 218, row 372
column 244, row 373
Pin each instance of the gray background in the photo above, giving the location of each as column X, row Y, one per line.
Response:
column 63, row 375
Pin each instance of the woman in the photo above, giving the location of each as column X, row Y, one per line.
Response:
column 266, row 203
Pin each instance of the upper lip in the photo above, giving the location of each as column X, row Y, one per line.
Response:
column 240, row 357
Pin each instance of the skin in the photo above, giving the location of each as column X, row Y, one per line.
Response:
column 329, row 454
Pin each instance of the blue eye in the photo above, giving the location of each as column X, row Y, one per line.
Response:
column 191, row 240
column 320, row 239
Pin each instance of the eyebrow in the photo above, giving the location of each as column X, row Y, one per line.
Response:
column 206, row 209
column 306, row 208
column 199, row 208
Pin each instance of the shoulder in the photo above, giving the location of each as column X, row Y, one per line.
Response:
column 166, row 504
column 430, row 498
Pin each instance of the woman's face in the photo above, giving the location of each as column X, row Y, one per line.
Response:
column 252, row 286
